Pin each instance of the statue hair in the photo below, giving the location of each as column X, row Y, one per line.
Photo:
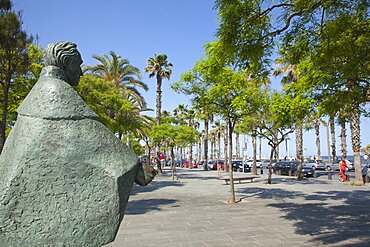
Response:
column 60, row 54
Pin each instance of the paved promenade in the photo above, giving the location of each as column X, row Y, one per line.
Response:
column 193, row 211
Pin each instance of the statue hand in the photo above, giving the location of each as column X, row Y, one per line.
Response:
column 145, row 174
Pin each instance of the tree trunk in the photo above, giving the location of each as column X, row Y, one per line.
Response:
column 226, row 143
column 190, row 155
column 172, row 163
column 332, row 133
column 269, row 178
column 219, row 144
column 6, row 88
column 317, row 134
column 356, row 144
column 206, row 126
column 232, row 189
column 254, row 146
column 199, row 151
column 328, row 141
column 260, row 148
column 299, row 150
column 158, row 116
column 128, row 141
column 212, row 149
column 276, row 146
column 343, row 138
column 237, row 145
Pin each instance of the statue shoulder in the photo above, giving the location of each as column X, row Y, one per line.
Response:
column 53, row 98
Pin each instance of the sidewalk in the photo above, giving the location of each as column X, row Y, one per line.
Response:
column 192, row 211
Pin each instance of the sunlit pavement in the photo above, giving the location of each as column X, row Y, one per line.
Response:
column 193, row 211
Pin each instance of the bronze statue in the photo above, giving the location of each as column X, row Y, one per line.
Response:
column 65, row 179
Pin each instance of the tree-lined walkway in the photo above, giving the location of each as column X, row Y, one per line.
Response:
column 192, row 212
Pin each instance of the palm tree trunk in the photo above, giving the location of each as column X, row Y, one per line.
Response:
column 299, row 150
column 190, row 155
column 219, row 144
column 172, row 163
column 159, row 99
column 237, row 145
column 128, row 141
column 199, row 151
column 356, row 144
column 254, row 146
column 226, row 143
column 332, row 133
column 343, row 138
column 317, row 134
column 206, row 126
column 158, row 115
column 232, row 189
column 212, row 149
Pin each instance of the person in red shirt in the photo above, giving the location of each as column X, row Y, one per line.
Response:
column 342, row 170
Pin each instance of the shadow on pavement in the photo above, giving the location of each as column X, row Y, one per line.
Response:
column 144, row 206
column 317, row 215
column 154, row 185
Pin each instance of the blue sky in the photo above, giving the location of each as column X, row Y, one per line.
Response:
column 137, row 30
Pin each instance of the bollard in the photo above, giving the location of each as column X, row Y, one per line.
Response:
column 330, row 176
column 315, row 174
column 261, row 171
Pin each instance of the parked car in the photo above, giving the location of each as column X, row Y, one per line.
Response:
column 193, row 164
column 334, row 166
column 212, row 164
column 290, row 167
column 247, row 167
column 316, row 164
column 236, row 164
column 307, row 170
column 250, row 163
column 266, row 163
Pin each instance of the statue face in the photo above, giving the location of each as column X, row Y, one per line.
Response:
column 73, row 71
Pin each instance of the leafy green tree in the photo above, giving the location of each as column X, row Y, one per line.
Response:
column 195, row 84
column 119, row 114
column 174, row 135
column 22, row 85
column 335, row 33
column 137, row 147
column 14, row 58
column 366, row 150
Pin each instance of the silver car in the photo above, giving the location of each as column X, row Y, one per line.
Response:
column 316, row 164
column 334, row 166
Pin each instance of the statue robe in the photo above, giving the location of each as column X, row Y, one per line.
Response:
column 65, row 178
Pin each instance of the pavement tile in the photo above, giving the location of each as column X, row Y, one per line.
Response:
column 192, row 212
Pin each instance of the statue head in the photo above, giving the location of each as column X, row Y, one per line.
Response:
column 65, row 56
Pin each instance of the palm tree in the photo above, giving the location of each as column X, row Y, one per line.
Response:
column 127, row 112
column 124, row 76
column 159, row 66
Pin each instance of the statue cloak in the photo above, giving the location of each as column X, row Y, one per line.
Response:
column 65, row 178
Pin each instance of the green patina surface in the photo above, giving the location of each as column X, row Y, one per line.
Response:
column 65, row 178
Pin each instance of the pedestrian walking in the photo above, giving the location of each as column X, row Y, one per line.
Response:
column 342, row 170
column 364, row 171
